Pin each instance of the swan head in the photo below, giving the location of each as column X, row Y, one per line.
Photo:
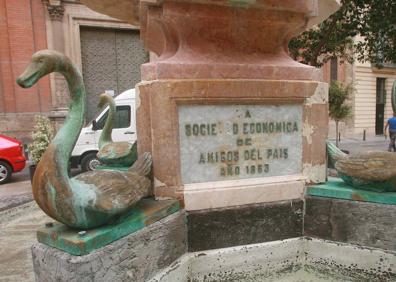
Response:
column 103, row 99
column 42, row 63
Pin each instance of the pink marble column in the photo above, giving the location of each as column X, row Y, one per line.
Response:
column 225, row 53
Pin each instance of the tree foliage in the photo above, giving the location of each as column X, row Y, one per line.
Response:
column 42, row 136
column 339, row 109
column 373, row 20
column 339, row 94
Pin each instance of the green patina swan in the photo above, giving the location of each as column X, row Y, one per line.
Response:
column 113, row 153
column 90, row 199
column 372, row 170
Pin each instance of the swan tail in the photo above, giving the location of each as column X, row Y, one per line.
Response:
column 142, row 166
column 333, row 152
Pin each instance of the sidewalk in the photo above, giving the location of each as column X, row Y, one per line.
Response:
column 17, row 234
column 14, row 194
column 354, row 145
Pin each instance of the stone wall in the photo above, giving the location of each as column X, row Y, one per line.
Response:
column 249, row 224
column 361, row 223
column 23, row 32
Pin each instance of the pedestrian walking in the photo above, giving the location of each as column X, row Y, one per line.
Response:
column 391, row 123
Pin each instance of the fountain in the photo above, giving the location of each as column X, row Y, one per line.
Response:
column 237, row 132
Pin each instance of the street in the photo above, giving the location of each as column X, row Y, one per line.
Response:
column 17, row 191
column 18, row 227
column 354, row 145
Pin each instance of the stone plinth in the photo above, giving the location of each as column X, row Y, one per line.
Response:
column 77, row 242
column 136, row 257
column 338, row 189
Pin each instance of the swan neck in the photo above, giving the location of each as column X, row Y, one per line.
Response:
column 105, row 137
column 67, row 135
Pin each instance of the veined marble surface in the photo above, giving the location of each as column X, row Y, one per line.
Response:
column 225, row 142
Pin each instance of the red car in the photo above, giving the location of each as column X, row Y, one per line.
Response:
column 12, row 158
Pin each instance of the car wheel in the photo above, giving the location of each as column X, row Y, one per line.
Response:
column 5, row 172
column 89, row 162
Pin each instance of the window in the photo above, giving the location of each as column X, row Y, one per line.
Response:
column 122, row 118
column 380, row 106
column 381, row 93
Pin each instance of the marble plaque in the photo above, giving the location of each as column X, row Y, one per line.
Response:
column 226, row 142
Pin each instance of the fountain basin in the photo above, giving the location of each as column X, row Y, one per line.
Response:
column 298, row 259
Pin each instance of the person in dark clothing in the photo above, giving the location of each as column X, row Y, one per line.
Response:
column 391, row 123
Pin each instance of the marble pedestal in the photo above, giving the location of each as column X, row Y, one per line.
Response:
column 215, row 60
column 182, row 169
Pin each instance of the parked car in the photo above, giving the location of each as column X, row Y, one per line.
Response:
column 12, row 158
column 86, row 148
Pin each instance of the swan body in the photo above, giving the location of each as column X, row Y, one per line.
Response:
column 375, row 170
column 114, row 153
column 90, row 199
column 372, row 170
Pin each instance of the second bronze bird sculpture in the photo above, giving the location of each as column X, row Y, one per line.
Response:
column 368, row 170
column 93, row 198
column 117, row 154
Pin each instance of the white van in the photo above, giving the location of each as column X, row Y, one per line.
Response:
column 84, row 153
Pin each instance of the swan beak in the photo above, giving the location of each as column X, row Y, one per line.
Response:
column 29, row 77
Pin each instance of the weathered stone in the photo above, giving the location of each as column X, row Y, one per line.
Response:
column 135, row 257
column 225, row 142
column 219, row 228
column 362, row 223
column 69, row 240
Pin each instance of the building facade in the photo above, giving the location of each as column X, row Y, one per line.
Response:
column 370, row 100
column 22, row 32
column 107, row 51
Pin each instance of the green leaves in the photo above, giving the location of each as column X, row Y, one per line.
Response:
column 338, row 97
column 42, row 136
column 373, row 20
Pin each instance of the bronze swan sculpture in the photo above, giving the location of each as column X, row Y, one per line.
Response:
column 112, row 153
column 93, row 198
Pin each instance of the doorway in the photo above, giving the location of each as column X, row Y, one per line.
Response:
column 111, row 60
column 380, row 106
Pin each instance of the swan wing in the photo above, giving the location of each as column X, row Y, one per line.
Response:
column 115, row 150
column 373, row 166
column 116, row 190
